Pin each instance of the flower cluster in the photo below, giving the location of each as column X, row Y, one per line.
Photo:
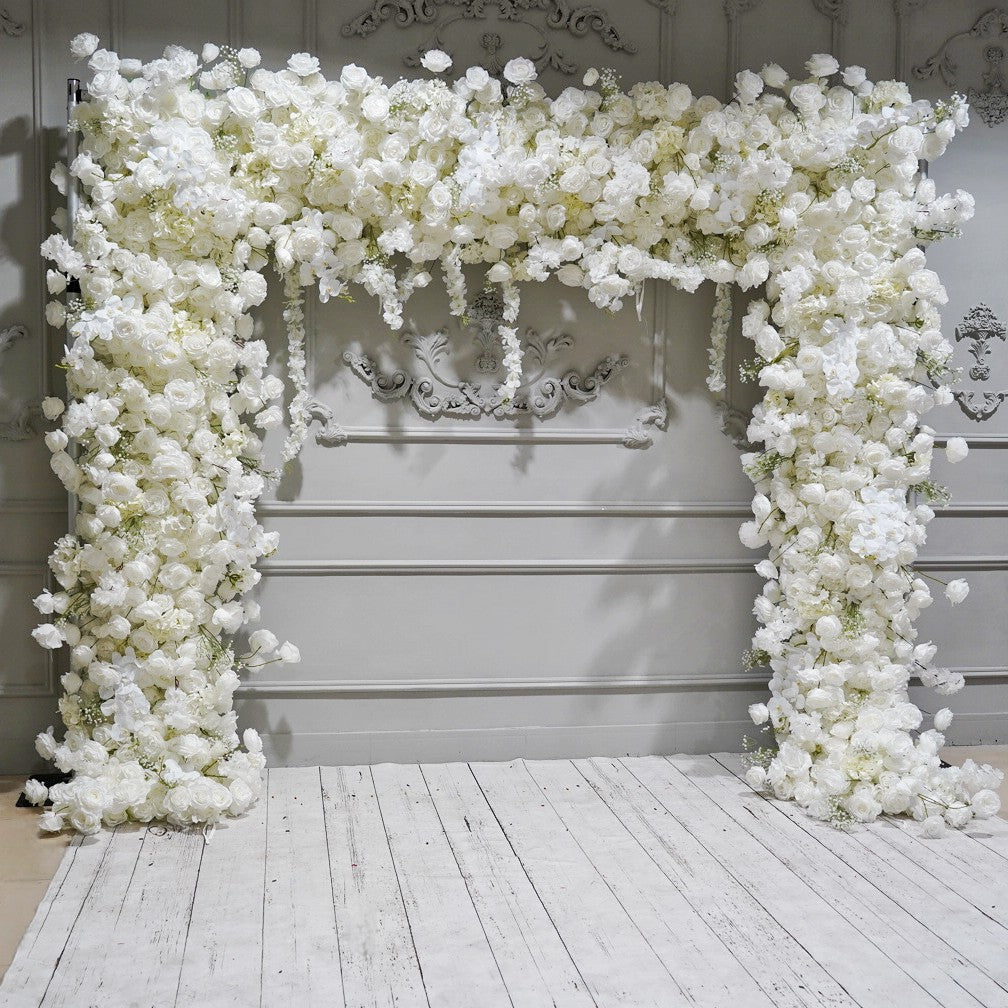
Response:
column 199, row 170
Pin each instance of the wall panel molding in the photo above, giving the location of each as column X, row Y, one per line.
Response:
column 588, row 568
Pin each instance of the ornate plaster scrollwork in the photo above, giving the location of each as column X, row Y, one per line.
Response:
column 435, row 393
column 332, row 432
column 980, row 328
column 10, row 335
column 735, row 424
column 990, row 100
column 9, row 25
column 28, row 423
column 655, row 415
column 546, row 18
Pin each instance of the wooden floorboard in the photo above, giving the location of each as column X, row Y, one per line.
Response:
column 223, row 958
column 646, row 882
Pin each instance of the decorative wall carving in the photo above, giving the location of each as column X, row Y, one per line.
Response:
column 548, row 19
column 655, row 415
column 10, row 335
column 332, row 432
column 735, row 424
column 28, row 423
column 990, row 32
column 9, row 25
column 436, row 393
column 981, row 329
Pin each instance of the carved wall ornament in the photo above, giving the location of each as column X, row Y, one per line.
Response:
column 435, row 393
column 29, row 422
column 980, row 328
column 9, row 25
column 655, row 415
column 546, row 18
column 991, row 99
column 10, row 335
column 735, row 425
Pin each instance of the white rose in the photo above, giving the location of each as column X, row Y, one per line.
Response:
column 244, row 103
column 477, row 78
column 35, row 791
column 436, row 61
column 756, row 777
column 822, row 65
column 49, row 636
column 759, row 712
column 83, row 45
column 289, row 653
column 303, row 64
column 249, row 58
column 985, row 804
column 500, row 236
column 956, row 449
column 932, row 827
column 943, row 719
column 520, row 70
column 52, row 407
column 956, row 591
column 354, row 78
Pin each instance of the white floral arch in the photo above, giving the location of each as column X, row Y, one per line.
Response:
column 199, row 170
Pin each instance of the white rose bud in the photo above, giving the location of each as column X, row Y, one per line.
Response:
column 943, row 719
column 756, row 777
column 759, row 712
column 956, row 591
column 956, row 449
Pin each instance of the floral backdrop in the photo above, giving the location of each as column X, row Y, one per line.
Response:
column 199, row 170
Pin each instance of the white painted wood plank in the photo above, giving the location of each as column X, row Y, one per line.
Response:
column 775, row 958
column 702, row 965
column 379, row 963
column 458, row 965
column 946, row 913
column 990, row 833
column 865, row 972
column 32, row 967
column 301, row 963
column 947, row 974
column 222, row 963
column 126, row 947
column 984, row 888
column 533, row 961
column 609, row 951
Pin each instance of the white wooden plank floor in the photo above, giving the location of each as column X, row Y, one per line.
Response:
column 620, row 883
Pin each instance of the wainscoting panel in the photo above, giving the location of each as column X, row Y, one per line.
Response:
column 570, row 582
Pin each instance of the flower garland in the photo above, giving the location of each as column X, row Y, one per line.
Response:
column 198, row 170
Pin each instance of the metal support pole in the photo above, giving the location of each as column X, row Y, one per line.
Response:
column 72, row 205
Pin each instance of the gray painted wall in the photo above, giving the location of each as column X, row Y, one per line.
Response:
column 486, row 589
